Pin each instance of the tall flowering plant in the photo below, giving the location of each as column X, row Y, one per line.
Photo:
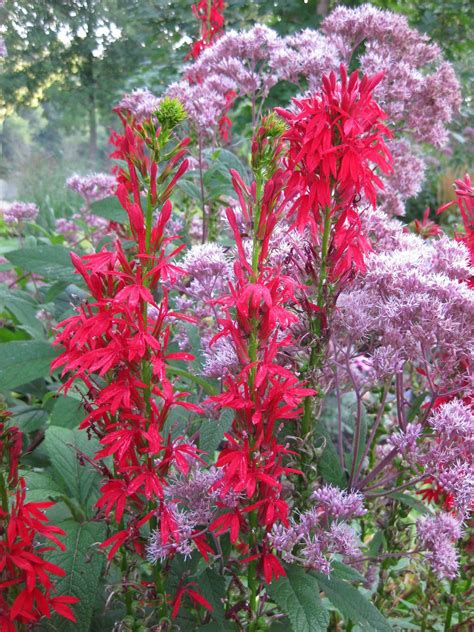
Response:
column 264, row 395
column 336, row 142
column 116, row 345
column 26, row 576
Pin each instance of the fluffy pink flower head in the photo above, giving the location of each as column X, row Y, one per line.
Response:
column 336, row 140
column 20, row 212
column 93, row 187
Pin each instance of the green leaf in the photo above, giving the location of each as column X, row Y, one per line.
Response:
column 377, row 544
column 213, row 588
column 67, row 412
column 329, row 464
column 342, row 571
column 28, row 418
column 415, row 407
column 409, row 501
column 41, row 486
column 190, row 188
column 24, row 309
column 110, row 209
column 23, row 361
column 83, row 566
column 207, row 387
column 352, row 603
column 363, row 436
column 212, row 432
column 230, row 161
column 297, row 595
column 50, row 262
column 63, row 446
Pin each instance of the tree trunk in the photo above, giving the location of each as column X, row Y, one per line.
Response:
column 92, row 113
column 91, row 82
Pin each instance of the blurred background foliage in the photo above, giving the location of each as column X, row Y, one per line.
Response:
column 70, row 61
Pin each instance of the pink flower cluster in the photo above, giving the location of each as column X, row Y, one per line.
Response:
column 93, row 187
column 17, row 212
column 419, row 91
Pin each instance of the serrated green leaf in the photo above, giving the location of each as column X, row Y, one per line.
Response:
column 213, row 588
column 212, row 432
column 41, row 486
column 22, row 361
column 83, row 566
column 352, row 603
column 297, row 594
column 50, row 262
column 67, row 412
column 63, row 446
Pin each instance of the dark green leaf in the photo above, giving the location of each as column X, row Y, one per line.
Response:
column 42, row 486
column 110, row 209
column 189, row 188
column 213, row 588
column 352, row 603
column 28, row 418
column 297, row 595
column 342, row 571
column 377, row 544
column 23, row 361
column 230, row 161
column 67, row 412
column 415, row 407
column 329, row 464
column 50, row 262
column 212, row 432
column 24, row 309
column 64, row 446
column 411, row 502
column 83, row 566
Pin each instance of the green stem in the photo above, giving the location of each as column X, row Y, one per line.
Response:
column 158, row 577
column 128, row 592
column 449, row 612
column 315, row 327
column 3, row 494
column 252, row 575
column 252, row 578
column 324, row 256
column 148, row 222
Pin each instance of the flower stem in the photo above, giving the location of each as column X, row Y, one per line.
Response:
column 3, row 494
column 315, row 327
